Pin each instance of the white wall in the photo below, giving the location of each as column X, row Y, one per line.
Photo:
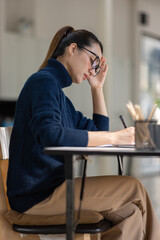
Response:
column 152, row 9
column 14, row 10
column 1, row 30
column 121, row 65
column 53, row 14
column 48, row 16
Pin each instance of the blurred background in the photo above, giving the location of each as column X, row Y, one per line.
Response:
column 130, row 33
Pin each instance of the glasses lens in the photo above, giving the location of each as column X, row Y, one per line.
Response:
column 97, row 70
column 95, row 65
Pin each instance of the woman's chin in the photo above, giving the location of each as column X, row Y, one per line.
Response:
column 78, row 81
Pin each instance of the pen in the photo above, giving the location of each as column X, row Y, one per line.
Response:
column 123, row 122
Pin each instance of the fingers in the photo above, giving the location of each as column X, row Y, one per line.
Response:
column 99, row 79
column 103, row 65
column 131, row 132
column 126, row 136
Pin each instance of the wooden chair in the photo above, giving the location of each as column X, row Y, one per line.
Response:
column 91, row 222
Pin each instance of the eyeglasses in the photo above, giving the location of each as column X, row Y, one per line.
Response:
column 94, row 63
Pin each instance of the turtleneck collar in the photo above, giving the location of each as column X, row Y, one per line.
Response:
column 59, row 71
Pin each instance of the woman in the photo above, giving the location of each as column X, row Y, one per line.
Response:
column 46, row 117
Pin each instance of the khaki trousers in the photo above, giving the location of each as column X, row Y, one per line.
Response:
column 122, row 199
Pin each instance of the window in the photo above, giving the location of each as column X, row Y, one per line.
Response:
column 150, row 74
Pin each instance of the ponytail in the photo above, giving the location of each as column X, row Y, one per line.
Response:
column 55, row 42
column 64, row 37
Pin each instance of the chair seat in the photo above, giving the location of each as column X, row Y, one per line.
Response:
column 90, row 222
column 86, row 217
column 93, row 228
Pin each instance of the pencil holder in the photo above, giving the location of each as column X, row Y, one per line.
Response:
column 145, row 134
column 158, row 136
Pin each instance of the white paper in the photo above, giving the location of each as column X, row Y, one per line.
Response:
column 118, row 145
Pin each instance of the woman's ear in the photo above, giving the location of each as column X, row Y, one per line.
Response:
column 72, row 48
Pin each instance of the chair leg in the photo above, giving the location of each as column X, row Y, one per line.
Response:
column 85, row 236
column 30, row 236
column 88, row 236
column 98, row 236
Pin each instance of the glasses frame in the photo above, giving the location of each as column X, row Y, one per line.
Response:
column 92, row 61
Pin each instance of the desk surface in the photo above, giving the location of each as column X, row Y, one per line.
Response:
column 109, row 150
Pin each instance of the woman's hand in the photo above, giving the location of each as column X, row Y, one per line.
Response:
column 125, row 136
column 96, row 84
column 99, row 79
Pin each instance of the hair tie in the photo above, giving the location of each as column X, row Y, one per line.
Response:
column 68, row 32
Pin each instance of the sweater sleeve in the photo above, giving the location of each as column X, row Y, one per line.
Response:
column 46, row 118
column 98, row 122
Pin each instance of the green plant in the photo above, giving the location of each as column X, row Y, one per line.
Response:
column 157, row 102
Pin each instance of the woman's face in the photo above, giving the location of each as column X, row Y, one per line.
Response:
column 80, row 62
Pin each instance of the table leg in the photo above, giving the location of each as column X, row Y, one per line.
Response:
column 69, row 173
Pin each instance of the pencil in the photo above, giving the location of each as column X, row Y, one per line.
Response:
column 123, row 122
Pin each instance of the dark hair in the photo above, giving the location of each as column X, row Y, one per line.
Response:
column 67, row 35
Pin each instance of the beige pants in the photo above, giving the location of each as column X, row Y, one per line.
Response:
column 123, row 199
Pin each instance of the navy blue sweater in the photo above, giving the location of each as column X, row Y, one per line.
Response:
column 44, row 117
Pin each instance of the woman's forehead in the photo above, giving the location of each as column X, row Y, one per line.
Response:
column 96, row 49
